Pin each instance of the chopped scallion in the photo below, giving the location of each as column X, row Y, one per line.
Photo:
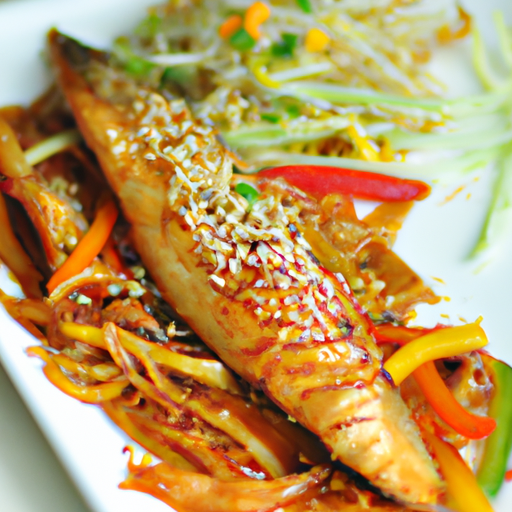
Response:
column 271, row 118
column 305, row 5
column 241, row 40
column 149, row 27
column 138, row 67
column 285, row 47
column 250, row 193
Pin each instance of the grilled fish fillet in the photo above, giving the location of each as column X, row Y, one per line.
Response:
column 245, row 280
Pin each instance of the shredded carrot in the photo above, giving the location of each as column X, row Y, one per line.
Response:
column 445, row 34
column 451, row 196
column 230, row 26
column 88, row 248
column 316, row 40
column 255, row 15
column 508, row 476
column 447, row 408
column 114, row 260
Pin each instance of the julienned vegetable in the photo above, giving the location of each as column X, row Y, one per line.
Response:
column 446, row 406
column 433, row 387
column 89, row 247
column 321, row 180
column 498, row 446
column 464, row 493
column 438, row 344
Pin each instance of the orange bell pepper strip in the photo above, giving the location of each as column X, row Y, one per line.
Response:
column 447, row 407
column 464, row 493
column 321, row 180
column 230, row 26
column 88, row 248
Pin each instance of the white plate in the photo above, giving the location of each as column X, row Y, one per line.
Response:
column 434, row 241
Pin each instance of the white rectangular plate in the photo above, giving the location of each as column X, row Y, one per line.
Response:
column 435, row 241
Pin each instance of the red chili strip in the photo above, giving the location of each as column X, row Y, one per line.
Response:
column 320, row 180
column 399, row 334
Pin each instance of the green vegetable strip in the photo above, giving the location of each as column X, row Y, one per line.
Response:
column 499, row 213
column 453, row 140
column 499, row 444
column 504, row 37
column 337, row 94
column 273, row 135
column 434, row 170
column 52, row 145
column 481, row 63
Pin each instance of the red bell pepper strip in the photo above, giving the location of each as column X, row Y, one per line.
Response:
column 399, row 334
column 320, row 180
column 508, row 476
column 447, row 408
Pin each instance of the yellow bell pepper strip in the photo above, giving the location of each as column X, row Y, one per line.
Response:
column 433, row 387
column 85, row 333
column 255, row 15
column 447, row 407
column 448, row 342
column 89, row 247
column 207, row 371
column 320, row 180
column 493, row 467
column 464, row 493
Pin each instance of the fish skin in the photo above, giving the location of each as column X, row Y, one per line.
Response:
column 334, row 387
